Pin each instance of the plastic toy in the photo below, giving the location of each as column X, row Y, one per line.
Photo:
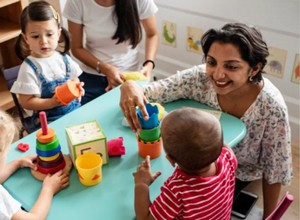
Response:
column 67, row 92
column 149, row 139
column 23, row 147
column 50, row 159
column 115, row 147
column 137, row 76
column 153, row 149
column 153, row 121
column 161, row 110
column 89, row 168
column 87, row 137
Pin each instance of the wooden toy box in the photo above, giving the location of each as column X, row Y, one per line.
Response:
column 86, row 137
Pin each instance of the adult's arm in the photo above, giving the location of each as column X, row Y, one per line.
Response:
column 151, row 43
column 270, row 196
column 89, row 59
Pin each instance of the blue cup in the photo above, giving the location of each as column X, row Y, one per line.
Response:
column 153, row 121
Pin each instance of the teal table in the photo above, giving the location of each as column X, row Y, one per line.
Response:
column 113, row 198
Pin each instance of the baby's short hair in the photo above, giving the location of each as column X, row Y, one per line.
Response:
column 192, row 137
column 7, row 130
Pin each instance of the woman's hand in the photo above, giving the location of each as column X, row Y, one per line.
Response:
column 113, row 76
column 146, row 71
column 132, row 95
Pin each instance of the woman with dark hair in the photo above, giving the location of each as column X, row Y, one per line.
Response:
column 231, row 81
column 105, row 38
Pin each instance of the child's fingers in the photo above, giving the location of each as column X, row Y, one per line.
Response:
column 155, row 175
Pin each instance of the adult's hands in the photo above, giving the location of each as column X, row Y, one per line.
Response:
column 113, row 76
column 132, row 96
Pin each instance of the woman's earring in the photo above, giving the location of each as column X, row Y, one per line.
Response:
column 250, row 78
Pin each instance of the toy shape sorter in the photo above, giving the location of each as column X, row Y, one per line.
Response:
column 50, row 158
column 86, row 137
column 149, row 138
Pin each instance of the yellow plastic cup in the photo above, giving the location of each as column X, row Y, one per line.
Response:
column 89, row 168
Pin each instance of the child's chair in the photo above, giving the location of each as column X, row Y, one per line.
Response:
column 281, row 207
column 10, row 75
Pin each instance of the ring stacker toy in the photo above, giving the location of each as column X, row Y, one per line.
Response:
column 50, row 158
column 67, row 92
column 149, row 139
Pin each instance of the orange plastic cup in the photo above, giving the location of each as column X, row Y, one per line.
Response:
column 153, row 149
column 67, row 92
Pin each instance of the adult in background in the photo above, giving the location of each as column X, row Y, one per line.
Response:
column 231, row 81
column 105, row 39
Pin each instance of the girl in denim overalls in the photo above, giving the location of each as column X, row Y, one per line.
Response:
column 44, row 68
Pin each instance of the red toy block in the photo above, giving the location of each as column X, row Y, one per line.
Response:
column 23, row 147
column 115, row 147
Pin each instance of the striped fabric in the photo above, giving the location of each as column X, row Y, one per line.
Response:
column 194, row 197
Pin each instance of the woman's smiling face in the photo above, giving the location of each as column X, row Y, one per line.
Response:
column 226, row 69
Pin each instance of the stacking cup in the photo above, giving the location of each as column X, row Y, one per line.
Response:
column 153, row 149
column 67, row 92
column 89, row 168
column 149, row 135
column 153, row 121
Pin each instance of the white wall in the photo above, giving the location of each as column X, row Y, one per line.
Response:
column 278, row 20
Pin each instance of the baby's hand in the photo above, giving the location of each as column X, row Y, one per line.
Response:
column 143, row 173
column 28, row 161
column 56, row 182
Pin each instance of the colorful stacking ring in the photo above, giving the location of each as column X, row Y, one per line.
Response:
column 51, row 170
column 50, row 164
column 49, row 158
column 49, row 153
column 49, row 146
column 45, row 138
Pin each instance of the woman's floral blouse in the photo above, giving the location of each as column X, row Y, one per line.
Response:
column 266, row 148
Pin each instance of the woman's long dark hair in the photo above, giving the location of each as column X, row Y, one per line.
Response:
column 129, row 27
column 40, row 11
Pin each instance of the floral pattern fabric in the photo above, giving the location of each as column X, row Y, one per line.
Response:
column 266, row 148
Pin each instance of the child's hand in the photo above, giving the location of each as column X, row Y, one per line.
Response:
column 81, row 90
column 143, row 173
column 56, row 182
column 28, row 161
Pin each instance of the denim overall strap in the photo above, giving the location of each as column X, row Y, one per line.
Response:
column 35, row 69
column 48, row 90
column 68, row 68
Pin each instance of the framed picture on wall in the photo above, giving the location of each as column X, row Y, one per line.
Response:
column 296, row 70
column 276, row 62
column 169, row 33
column 193, row 41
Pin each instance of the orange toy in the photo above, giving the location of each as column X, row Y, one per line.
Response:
column 67, row 92
column 153, row 149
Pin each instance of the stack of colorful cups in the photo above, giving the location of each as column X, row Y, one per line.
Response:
column 149, row 139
